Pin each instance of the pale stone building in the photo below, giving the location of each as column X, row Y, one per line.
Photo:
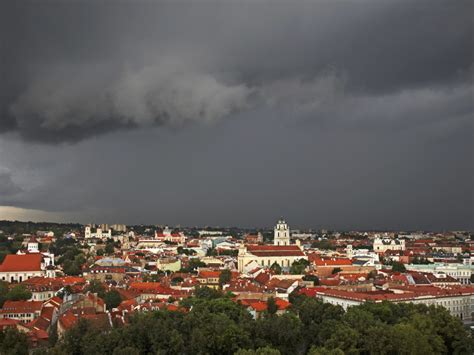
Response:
column 382, row 245
column 281, row 252
column 281, row 233
column 99, row 233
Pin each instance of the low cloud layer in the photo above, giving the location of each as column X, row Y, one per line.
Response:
column 7, row 187
column 131, row 66
column 54, row 108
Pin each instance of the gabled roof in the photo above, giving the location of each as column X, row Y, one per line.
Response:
column 209, row 274
column 40, row 323
column 282, row 284
column 21, row 306
column 319, row 261
column 275, row 250
column 260, row 306
column 263, row 278
column 68, row 319
column 27, row 262
column 151, row 287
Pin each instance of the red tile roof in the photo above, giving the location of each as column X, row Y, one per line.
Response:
column 330, row 261
column 260, row 306
column 151, row 287
column 410, row 293
column 209, row 274
column 8, row 322
column 275, row 250
column 27, row 262
column 21, row 306
column 68, row 320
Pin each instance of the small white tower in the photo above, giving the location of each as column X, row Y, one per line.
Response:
column 281, row 234
column 349, row 251
column 33, row 245
column 167, row 231
column 87, row 232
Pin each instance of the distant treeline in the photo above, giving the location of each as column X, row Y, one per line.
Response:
column 19, row 227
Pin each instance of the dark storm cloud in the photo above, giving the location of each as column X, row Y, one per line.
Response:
column 335, row 114
column 74, row 70
column 8, row 187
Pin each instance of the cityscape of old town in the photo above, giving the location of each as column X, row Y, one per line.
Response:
column 236, row 177
column 215, row 290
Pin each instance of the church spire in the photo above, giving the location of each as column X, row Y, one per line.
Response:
column 281, row 233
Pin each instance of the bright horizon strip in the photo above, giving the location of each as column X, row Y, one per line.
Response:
column 24, row 214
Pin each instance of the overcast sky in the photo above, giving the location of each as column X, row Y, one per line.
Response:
column 334, row 114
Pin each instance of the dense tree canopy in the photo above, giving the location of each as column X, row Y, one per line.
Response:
column 13, row 342
column 399, row 267
column 299, row 266
column 17, row 293
column 112, row 299
column 224, row 277
column 214, row 324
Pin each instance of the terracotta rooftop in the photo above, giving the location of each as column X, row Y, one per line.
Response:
column 209, row 274
column 275, row 250
column 27, row 262
column 319, row 261
column 21, row 306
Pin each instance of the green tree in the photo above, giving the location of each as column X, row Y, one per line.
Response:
column 276, row 268
column 207, row 292
column 176, row 280
column 282, row 332
column 3, row 292
column 398, row 267
column 109, row 248
column 18, row 293
column 193, row 264
column 225, row 277
column 95, row 286
column 70, row 268
column 128, row 350
column 112, row 299
column 336, row 270
column 12, row 342
column 272, row 307
column 406, row 339
column 260, row 351
column 324, row 351
column 312, row 278
column 211, row 252
column 298, row 267
column 455, row 337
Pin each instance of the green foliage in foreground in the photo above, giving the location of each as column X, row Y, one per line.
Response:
column 17, row 293
column 216, row 325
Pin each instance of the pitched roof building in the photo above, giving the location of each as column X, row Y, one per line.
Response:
column 17, row 268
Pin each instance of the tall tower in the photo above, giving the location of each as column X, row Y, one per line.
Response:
column 281, row 233
column 87, row 232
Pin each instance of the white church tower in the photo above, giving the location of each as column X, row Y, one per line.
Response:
column 281, row 234
column 87, row 232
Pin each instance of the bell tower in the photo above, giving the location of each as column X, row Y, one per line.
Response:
column 281, row 233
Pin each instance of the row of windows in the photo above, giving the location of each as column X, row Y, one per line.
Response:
column 270, row 263
column 18, row 315
column 16, row 277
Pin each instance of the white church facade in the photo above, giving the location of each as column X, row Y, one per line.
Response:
column 281, row 252
column 99, row 233
column 281, row 233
